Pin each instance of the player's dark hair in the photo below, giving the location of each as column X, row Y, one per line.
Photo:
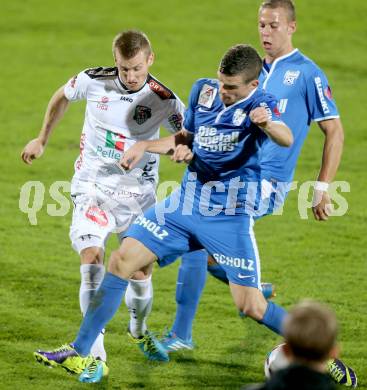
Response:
column 288, row 5
column 241, row 59
column 130, row 42
column 310, row 330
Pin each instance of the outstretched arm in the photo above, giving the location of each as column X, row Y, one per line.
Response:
column 277, row 131
column 56, row 109
column 166, row 145
column 331, row 156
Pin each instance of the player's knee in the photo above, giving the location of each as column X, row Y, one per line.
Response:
column 116, row 262
column 91, row 255
column 254, row 307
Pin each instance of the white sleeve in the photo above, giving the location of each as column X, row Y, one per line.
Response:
column 174, row 120
column 76, row 88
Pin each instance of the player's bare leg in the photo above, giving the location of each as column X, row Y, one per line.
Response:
column 251, row 302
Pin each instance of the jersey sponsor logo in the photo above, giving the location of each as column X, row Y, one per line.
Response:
column 268, row 110
column 320, row 92
column 73, row 81
column 102, row 104
column 115, row 143
column 291, row 76
column 79, row 162
column 97, row 215
column 126, row 99
column 159, row 89
column 151, row 226
column 327, row 93
column 207, row 95
column 115, row 140
column 238, row 117
column 142, row 114
column 236, row 262
column 282, row 105
column 175, row 121
column 208, row 139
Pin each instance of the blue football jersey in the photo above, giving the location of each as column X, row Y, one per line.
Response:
column 304, row 96
column 226, row 143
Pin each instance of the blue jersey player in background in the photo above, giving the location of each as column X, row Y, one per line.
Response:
column 304, row 96
column 226, row 124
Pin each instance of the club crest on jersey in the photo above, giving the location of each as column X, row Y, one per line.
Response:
column 207, row 95
column 291, row 76
column 142, row 114
column 238, row 117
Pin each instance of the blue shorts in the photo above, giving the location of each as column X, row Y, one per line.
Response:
column 229, row 239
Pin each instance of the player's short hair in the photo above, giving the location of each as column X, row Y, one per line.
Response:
column 243, row 59
column 288, row 5
column 310, row 330
column 130, row 42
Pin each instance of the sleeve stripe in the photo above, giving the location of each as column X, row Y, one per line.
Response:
column 326, row 118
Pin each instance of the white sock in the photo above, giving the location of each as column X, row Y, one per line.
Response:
column 139, row 300
column 91, row 278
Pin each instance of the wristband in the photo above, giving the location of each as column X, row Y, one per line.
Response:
column 321, row 186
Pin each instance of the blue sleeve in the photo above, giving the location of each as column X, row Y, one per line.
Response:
column 189, row 117
column 270, row 102
column 320, row 102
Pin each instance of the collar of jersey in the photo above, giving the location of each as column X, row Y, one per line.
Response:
column 128, row 90
column 274, row 64
column 235, row 104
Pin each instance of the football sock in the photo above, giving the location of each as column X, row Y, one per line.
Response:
column 218, row 272
column 190, row 283
column 274, row 317
column 139, row 300
column 91, row 278
column 102, row 308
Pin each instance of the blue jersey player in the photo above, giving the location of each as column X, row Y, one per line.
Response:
column 226, row 125
column 304, row 96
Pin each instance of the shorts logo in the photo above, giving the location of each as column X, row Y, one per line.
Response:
column 142, row 114
column 97, row 215
column 291, row 76
column 115, row 141
column 238, row 117
column 207, row 95
column 152, row 227
column 236, row 262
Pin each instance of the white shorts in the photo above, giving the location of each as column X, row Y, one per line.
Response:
column 99, row 213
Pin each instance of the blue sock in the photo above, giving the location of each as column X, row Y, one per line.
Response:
column 274, row 317
column 190, row 283
column 101, row 309
column 218, row 272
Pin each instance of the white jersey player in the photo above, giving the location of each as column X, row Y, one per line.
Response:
column 124, row 104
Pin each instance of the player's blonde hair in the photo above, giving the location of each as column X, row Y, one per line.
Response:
column 288, row 5
column 130, row 42
column 310, row 330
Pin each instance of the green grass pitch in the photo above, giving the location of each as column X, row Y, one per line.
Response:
column 42, row 45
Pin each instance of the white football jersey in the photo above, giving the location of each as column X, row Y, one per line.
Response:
column 115, row 119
